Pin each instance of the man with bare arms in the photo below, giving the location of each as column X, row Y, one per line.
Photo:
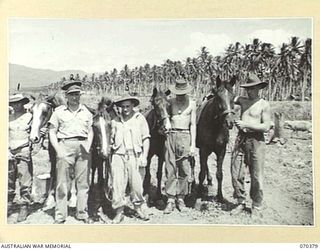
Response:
column 180, row 146
column 250, row 145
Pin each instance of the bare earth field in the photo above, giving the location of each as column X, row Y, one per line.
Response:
column 288, row 191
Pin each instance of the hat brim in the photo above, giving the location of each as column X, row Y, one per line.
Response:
column 135, row 101
column 68, row 85
column 73, row 91
column 262, row 85
column 24, row 100
column 176, row 91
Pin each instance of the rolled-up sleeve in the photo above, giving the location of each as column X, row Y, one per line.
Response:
column 54, row 120
column 145, row 133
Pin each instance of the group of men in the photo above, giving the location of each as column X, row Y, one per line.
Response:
column 71, row 134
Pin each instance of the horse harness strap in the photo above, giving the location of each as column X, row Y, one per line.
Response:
column 225, row 112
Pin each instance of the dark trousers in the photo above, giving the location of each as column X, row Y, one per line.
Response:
column 249, row 150
column 177, row 164
column 20, row 168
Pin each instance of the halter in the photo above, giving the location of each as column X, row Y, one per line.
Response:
column 225, row 112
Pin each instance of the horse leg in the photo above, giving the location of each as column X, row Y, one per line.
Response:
column 50, row 201
column 147, row 178
column 94, row 163
column 219, row 173
column 100, row 171
column 204, row 153
column 159, row 174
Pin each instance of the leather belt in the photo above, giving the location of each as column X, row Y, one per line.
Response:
column 76, row 138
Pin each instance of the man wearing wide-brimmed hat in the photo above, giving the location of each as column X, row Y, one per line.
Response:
column 71, row 136
column 130, row 147
column 180, row 145
column 255, row 120
column 19, row 154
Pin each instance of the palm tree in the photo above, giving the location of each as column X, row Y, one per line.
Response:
column 305, row 65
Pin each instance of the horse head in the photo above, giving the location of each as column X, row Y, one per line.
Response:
column 160, row 103
column 224, row 91
column 102, row 126
column 41, row 112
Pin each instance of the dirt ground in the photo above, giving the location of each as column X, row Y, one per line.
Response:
column 288, row 192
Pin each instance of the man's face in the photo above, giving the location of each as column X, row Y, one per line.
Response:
column 253, row 92
column 73, row 98
column 126, row 108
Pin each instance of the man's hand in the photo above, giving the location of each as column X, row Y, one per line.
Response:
column 167, row 125
column 241, row 125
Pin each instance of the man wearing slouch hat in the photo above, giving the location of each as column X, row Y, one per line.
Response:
column 250, row 145
column 20, row 166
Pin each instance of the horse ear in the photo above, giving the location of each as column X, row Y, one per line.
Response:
column 155, row 92
column 218, row 82
column 233, row 80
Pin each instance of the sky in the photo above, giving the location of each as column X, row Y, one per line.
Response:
column 98, row 45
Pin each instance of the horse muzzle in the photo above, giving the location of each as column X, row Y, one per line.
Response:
column 229, row 118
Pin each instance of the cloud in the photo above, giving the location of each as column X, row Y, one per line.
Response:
column 216, row 43
column 275, row 37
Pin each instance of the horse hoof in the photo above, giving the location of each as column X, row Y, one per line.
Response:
column 220, row 199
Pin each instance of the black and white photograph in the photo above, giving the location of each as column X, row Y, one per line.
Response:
column 160, row 121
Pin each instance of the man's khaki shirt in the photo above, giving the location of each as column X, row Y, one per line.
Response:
column 71, row 124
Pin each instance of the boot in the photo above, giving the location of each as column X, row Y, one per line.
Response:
column 119, row 216
column 170, row 207
column 181, row 205
column 49, row 203
column 141, row 214
column 240, row 208
column 256, row 212
column 23, row 213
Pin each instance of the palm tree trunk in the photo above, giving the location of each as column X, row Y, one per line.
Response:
column 303, row 87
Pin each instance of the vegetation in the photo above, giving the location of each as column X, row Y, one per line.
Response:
column 288, row 72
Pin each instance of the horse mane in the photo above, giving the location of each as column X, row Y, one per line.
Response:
column 110, row 107
column 150, row 116
column 211, row 108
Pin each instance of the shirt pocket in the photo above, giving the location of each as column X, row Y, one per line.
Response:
column 83, row 121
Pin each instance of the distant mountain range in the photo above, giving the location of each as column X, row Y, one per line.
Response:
column 36, row 78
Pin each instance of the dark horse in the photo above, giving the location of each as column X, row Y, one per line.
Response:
column 155, row 118
column 99, row 193
column 101, row 139
column 215, row 120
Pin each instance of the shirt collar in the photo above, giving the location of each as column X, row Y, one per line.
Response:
column 78, row 110
column 135, row 114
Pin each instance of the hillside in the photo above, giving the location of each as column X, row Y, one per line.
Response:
column 33, row 78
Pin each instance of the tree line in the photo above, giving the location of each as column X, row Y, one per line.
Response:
column 288, row 72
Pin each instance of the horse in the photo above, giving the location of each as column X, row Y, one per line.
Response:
column 213, row 124
column 41, row 112
column 100, row 152
column 101, row 138
column 155, row 119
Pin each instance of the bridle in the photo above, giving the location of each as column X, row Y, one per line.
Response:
column 225, row 112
